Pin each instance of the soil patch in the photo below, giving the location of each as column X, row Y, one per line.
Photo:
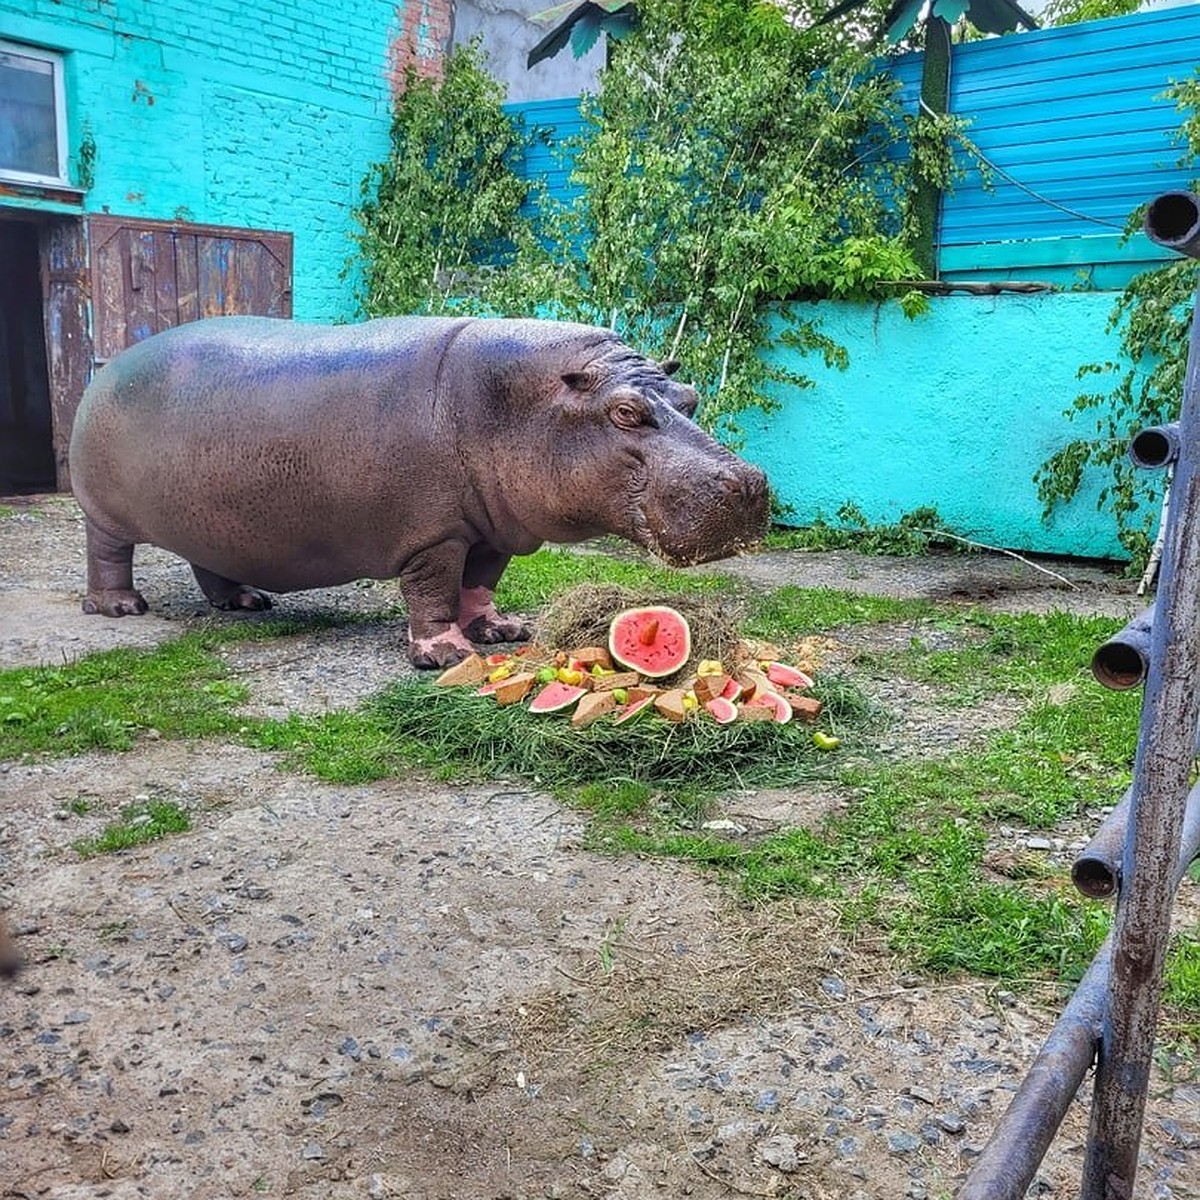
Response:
column 414, row 990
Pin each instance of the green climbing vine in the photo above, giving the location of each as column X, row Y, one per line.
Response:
column 729, row 163
column 444, row 209
column 1153, row 316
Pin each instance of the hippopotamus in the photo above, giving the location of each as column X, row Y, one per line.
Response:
column 276, row 456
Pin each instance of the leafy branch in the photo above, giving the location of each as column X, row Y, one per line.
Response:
column 1153, row 316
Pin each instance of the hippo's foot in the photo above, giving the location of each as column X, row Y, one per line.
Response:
column 228, row 595
column 115, row 602
column 247, row 598
column 439, row 649
column 498, row 627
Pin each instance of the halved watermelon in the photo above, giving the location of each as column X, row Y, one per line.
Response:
column 654, row 641
column 721, row 710
column 556, row 696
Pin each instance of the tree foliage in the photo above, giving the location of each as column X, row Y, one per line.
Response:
column 1154, row 316
column 1071, row 12
column 727, row 164
column 446, row 202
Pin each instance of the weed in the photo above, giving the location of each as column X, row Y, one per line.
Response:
column 917, row 532
column 145, row 821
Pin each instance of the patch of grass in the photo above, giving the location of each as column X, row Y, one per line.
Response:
column 917, row 532
column 790, row 612
column 532, row 579
column 182, row 689
column 143, row 822
column 1181, row 982
column 101, row 702
column 340, row 747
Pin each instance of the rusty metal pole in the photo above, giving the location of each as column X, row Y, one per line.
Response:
column 1162, row 765
column 1019, row 1142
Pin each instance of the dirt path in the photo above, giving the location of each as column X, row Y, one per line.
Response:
column 409, row 990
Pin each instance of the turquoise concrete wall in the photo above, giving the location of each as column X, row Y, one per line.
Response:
column 263, row 116
column 956, row 409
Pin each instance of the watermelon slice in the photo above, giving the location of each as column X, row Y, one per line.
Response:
column 774, row 702
column 654, row 641
column 554, row 697
column 732, row 690
column 721, row 710
column 632, row 709
column 783, row 675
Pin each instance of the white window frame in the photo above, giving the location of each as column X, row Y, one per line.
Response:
column 55, row 59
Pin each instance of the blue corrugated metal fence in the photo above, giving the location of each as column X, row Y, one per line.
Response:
column 1073, row 121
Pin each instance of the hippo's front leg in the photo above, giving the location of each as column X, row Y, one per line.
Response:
column 477, row 615
column 430, row 582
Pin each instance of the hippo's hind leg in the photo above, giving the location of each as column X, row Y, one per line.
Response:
column 477, row 613
column 228, row 595
column 110, row 589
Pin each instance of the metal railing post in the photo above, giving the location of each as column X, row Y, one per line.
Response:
column 1155, row 830
column 1162, row 766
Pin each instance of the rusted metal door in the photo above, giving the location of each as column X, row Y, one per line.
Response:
column 148, row 276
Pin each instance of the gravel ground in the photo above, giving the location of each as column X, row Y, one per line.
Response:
column 412, row 990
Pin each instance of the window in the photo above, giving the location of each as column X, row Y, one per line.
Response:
column 33, row 120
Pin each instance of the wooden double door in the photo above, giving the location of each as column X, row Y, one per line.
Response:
column 77, row 290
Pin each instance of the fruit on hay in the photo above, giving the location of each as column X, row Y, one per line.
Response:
column 591, row 707
column 774, row 702
column 721, row 710
column 671, row 705
column 655, row 641
column 805, row 708
column 555, row 697
column 614, row 680
column 786, row 676
column 632, row 709
column 709, row 687
column 471, row 670
column 514, row 688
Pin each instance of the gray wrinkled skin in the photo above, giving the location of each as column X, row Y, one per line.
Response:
column 281, row 456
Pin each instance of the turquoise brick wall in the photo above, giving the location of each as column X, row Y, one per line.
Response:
column 214, row 111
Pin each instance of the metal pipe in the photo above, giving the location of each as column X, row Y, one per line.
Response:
column 1173, row 220
column 1121, row 663
column 1155, row 446
column 1162, row 765
column 1020, row 1140
column 1096, row 871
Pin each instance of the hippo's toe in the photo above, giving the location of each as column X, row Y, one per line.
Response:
column 439, row 650
column 487, row 631
column 116, row 602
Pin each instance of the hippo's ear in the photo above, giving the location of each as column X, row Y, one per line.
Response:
column 684, row 399
column 579, row 381
column 670, row 366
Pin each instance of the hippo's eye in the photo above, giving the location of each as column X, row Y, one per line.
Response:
column 626, row 415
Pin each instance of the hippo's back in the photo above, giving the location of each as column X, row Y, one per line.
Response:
column 238, row 441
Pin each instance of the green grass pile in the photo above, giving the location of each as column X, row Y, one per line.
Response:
column 458, row 734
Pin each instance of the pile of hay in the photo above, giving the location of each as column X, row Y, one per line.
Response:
column 582, row 615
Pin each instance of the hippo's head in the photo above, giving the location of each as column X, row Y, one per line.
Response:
column 625, row 457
